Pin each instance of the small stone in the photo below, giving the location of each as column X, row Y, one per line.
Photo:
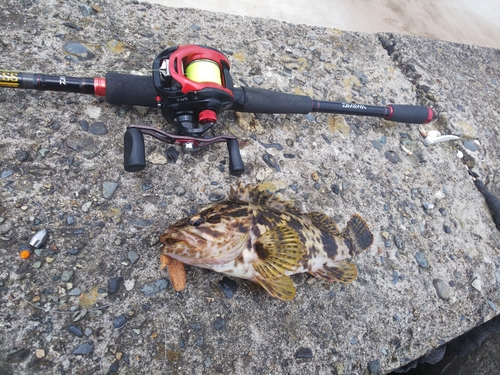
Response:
column 392, row 156
column 119, row 321
column 114, row 285
column 477, row 284
column 421, row 260
column 86, row 206
column 374, row 366
column 442, row 289
column 154, row 287
column 80, row 315
column 172, row 154
column 428, row 205
column 84, row 349
column 39, row 353
column 98, row 128
column 132, row 256
column 377, row 145
column 84, row 125
column 66, row 276
column 79, row 50
column 447, row 229
column 497, row 276
column 75, row 331
column 75, row 292
column 114, row 367
column 87, row 332
column 70, row 220
column 398, row 242
column 469, row 145
column 6, row 174
column 73, row 251
column 228, row 286
column 43, row 152
column 129, row 284
column 492, row 305
column 157, row 159
column 304, row 353
column 215, row 197
column 271, row 162
column 219, row 323
column 180, row 191
column 108, row 189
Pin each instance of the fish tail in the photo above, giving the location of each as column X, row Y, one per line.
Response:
column 358, row 233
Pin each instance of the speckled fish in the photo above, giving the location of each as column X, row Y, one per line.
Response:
column 255, row 236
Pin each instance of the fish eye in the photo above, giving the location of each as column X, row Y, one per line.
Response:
column 196, row 221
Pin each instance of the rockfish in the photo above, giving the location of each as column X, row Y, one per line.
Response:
column 253, row 235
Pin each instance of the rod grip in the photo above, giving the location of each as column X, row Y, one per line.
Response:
column 254, row 100
column 134, row 154
column 412, row 114
column 128, row 89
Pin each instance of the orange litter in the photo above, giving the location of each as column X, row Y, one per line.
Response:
column 25, row 254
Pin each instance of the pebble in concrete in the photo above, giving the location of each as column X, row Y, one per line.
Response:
column 84, row 349
column 108, row 189
column 442, row 289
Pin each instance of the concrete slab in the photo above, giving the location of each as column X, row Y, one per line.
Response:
column 460, row 21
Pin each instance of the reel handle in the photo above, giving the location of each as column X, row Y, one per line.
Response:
column 236, row 166
column 134, row 154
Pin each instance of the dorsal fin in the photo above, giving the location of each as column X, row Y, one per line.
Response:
column 262, row 197
column 324, row 222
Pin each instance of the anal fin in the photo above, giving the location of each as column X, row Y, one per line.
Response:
column 344, row 272
column 280, row 287
column 358, row 233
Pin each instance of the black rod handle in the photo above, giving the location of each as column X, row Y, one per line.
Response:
column 134, row 154
column 412, row 114
column 253, row 100
column 128, row 89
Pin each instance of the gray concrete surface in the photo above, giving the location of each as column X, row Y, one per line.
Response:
column 423, row 206
column 460, row 21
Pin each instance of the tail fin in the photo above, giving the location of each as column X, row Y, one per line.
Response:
column 358, row 233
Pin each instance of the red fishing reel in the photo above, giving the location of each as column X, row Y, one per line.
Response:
column 193, row 86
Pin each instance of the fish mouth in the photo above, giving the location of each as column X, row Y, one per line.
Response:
column 186, row 238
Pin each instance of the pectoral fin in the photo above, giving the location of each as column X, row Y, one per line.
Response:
column 278, row 250
column 280, row 287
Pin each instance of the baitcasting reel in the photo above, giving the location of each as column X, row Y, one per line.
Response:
column 193, row 86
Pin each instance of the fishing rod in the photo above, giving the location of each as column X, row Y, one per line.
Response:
column 191, row 84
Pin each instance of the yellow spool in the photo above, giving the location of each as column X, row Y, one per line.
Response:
column 204, row 71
